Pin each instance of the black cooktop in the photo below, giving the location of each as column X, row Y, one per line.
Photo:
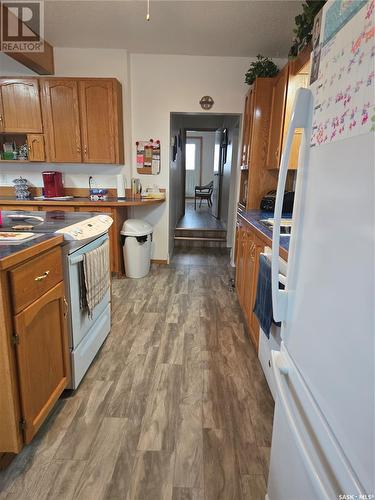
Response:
column 41, row 222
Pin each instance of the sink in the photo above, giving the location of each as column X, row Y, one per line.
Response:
column 285, row 225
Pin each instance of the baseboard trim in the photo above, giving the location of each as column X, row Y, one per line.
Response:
column 159, row 261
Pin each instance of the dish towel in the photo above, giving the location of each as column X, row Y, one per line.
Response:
column 96, row 275
column 263, row 302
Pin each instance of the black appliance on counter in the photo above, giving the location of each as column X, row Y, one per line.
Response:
column 268, row 202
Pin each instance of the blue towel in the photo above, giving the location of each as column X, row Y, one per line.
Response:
column 263, row 303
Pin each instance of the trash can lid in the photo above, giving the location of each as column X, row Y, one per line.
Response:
column 136, row 227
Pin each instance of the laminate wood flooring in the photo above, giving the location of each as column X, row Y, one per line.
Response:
column 199, row 218
column 175, row 405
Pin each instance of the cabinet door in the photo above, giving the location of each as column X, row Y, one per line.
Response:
column 98, row 121
column 240, row 269
column 277, row 118
column 20, row 111
column 254, row 323
column 247, row 127
column 42, row 356
column 35, row 143
column 294, row 83
column 61, row 118
column 249, row 277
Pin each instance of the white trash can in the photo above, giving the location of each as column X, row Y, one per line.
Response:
column 136, row 237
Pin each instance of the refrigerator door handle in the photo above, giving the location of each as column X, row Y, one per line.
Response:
column 281, row 369
column 300, row 119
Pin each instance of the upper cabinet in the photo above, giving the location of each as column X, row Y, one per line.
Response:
column 83, row 120
column 255, row 179
column 82, row 117
column 279, row 91
column 101, row 126
column 61, row 120
column 248, row 119
column 286, row 83
column 20, row 106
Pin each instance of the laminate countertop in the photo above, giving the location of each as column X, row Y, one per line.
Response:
column 253, row 218
column 110, row 202
column 13, row 254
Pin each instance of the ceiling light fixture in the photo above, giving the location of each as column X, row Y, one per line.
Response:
column 148, row 11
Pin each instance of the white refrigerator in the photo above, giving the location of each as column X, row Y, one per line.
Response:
column 323, row 436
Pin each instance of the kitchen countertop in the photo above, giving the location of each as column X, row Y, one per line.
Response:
column 11, row 255
column 111, row 202
column 253, row 217
column 52, row 221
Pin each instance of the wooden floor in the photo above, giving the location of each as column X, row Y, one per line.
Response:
column 175, row 405
column 201, row 218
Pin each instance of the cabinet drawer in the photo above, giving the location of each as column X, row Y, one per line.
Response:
column 31, row 280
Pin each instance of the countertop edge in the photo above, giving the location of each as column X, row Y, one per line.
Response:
column 266, row 239
column 81, row 202
column 28, row 253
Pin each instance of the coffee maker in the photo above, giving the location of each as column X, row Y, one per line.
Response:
column 52, row 184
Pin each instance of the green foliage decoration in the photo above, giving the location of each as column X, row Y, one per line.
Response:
column 262, row 67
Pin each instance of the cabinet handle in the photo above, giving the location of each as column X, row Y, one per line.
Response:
column 42, row 276
column 1, row 118
column 85, row 150
column 277, row 153
column 66, row 308
column 29, row 148
column 78, row 149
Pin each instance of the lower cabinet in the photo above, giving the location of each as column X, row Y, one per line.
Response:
column 34, row 355
column 41, row 347
column 249, row 248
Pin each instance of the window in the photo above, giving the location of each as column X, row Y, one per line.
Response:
column 190, row 156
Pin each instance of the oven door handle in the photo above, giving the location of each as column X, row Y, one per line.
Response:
column 75, row 259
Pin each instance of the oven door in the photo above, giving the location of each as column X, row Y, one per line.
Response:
column 80, row 321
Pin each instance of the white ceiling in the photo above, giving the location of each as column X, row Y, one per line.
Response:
column 212, row 28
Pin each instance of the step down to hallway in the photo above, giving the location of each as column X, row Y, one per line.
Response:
column 200, row 237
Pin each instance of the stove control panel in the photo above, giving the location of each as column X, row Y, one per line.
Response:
column 89, row 228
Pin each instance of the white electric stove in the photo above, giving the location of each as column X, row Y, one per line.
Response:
column 82, row 233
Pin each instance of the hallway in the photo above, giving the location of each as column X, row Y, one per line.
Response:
column 175, row 405
column 198, row 218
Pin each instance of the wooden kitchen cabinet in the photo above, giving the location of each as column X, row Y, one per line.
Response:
column 41, row 349
column 83, row 120
column 81, row 117
column 240, row 263
column 61, row 120
column 101, row 127
column 35, row 143
column 34, row 350
column 247, row 265
column 279, row 92
column 247, row 127
column 20, row 106
column 284, row 90
column 255, row 179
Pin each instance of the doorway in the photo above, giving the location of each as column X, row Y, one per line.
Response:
column 203, row 179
